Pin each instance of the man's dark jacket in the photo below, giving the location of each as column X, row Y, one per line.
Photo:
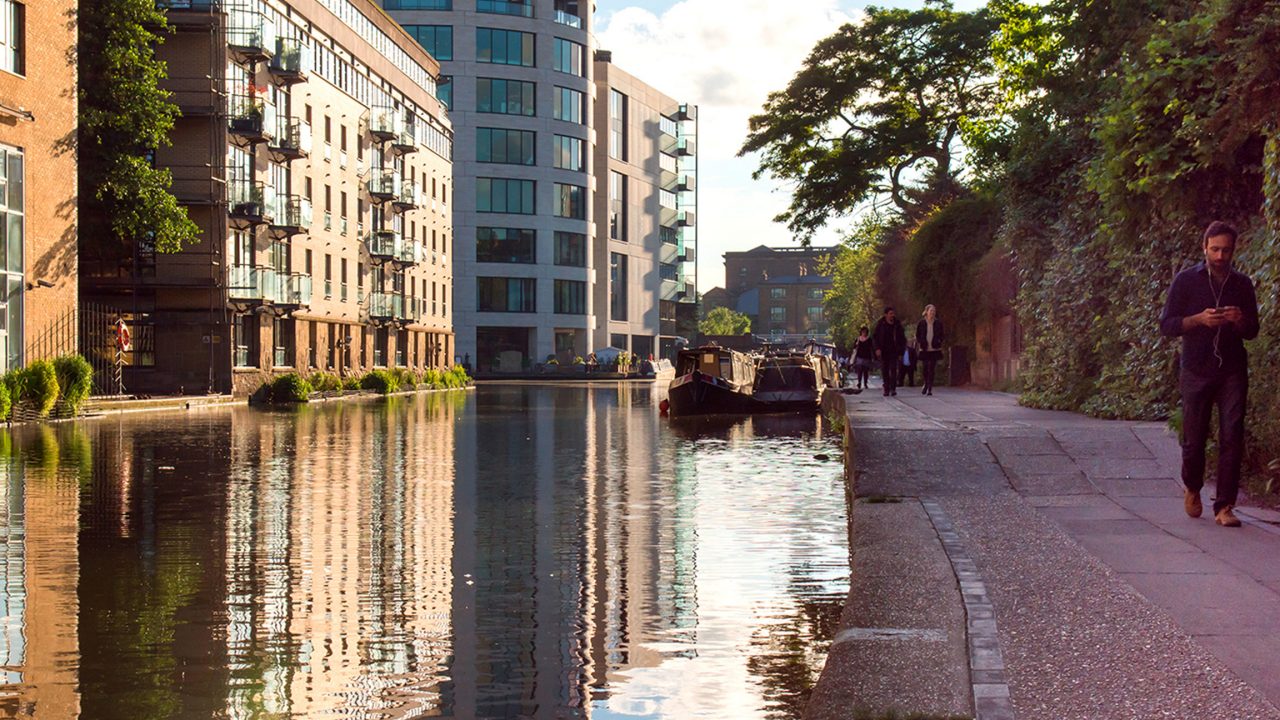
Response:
column 1190, row 294
column 890, row 340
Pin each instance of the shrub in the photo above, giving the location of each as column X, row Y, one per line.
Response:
column 75, row 380
column 290, row 388
column 380, row 381
column 325, row 382
column 351, row 383
column 6, row 403
column 405, row 378
column 434, row 378
column 456, row 377
column 40, row 386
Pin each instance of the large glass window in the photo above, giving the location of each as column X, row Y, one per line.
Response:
column 502, row 195
column 418, row 4
column 571, row 297
column 570, row 105
column 12, row 236
column 505, row 245
column 495, row 294
column 523, row 8
column 570, row 57
column 567, row 13
column 571, row 249
column 777, row 293
column 13, row 41
column 617, row 206
column 570, row 201
column 570, row 153
column 617, row 125
column 617, row 286
column 778, row 314
column 436, row 39
column 444, row 91
column 504, row 47
column 499, row 145
column 668, row 235
column 505, row 97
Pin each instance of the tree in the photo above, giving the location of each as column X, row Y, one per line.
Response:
column 879, row 112
column 854, row 299
column 124, row 117
column 723, row 321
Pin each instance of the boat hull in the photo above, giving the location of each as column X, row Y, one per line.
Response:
column 699, row 394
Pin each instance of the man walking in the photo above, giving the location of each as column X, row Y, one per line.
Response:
column 891, row 342
column 1214, row 309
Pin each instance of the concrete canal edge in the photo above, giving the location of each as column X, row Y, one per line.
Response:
column 917, row 636
column 101, row 407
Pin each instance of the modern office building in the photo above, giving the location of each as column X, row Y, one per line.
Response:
column 532, row 276
column 38, row 196
column 316, row 159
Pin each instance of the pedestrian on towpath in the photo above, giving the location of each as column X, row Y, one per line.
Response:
column 1214, row 309
column 909, row 358
column 864, row 354
column 929, row 337
column 890, row 342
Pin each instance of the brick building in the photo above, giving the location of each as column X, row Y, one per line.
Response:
column 781, row 289
column 317, row 161
column 38, row 196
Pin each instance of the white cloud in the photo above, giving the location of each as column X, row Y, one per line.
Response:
column 726, row 58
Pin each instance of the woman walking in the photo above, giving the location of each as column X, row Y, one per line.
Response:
column 864, row 353
column 929, row 338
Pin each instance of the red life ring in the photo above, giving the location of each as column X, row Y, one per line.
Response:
column 123, row 339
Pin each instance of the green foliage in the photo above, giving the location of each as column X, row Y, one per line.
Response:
column 723, row 321
column 290, row 388
column 381, row 381
column 325, row 382
column 38, row 385
column 6, row 401
column 124, row 115
column 351, row 383
column 878, row 112
column 854, row 299
column 75, row 381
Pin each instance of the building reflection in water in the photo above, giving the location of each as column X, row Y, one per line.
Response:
column 509, row 552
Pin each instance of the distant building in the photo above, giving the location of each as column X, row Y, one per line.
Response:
column 38, row 195
column 316, row 159
column 781, row 289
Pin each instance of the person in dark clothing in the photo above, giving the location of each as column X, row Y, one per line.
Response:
column 890, row 342
column 929, row 338
column 864, row 354
column 909, row 363
column 1214, row 309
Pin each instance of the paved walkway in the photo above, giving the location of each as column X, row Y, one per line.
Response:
column 1108, row 601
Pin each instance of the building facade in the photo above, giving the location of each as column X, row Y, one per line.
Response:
column 316, row 159
column 38, row 196
column 646, row 204
column 781, row 289
column 532, row 254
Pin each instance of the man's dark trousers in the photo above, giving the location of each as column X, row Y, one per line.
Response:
column 889, row 371
column 1199, row 393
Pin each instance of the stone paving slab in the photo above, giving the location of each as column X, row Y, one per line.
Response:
column 1062, row 484
column 1213, row 604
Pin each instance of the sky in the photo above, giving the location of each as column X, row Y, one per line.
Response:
column 726, row 56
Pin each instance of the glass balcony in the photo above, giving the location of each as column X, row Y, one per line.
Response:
column 409, row 252
column 386, row 306
column 385, row 123
column 687, row 183
column 251, row 118
column 519, row 8
column 689, row 255
column 383, row 244
column 292, row 213
column 295, row 289
column 686, row 112
column 383, row 184
column 686, row 218
column 686, row 147
column 249, row 200
column 248, row 284
column 292, row 139
column 250, row 32
column 292, row 60
column 406, row 140
column 407, row 198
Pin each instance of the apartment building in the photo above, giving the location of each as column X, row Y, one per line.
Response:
column 316, row 159
column 780, row 288
column 38, row 196
column 645, row 211
column 531, row 274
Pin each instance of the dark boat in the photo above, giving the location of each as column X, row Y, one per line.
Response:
column 712, row 380
column 794, row 381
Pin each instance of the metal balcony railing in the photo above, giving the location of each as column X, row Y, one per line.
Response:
column 249, row 200
column 386, row 306
column 409, row 252
column 383, row 244
column 383, row 184
column 246, row 283
column 292, row 138
column 251, row 117
column 295, row 289
column 407, row 197
column 292, row 60
column 292, row 212
column 406, row 139
column 385, row 123
column 250, row 32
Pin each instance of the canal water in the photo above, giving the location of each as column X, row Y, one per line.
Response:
column 510, row 552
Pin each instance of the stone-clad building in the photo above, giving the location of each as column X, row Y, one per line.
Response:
column 38, row 197
column 314, row 156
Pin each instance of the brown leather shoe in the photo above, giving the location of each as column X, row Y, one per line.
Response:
column 1191, row 503
column 1226, row 518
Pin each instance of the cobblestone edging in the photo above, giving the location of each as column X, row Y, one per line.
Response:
column 986, row 663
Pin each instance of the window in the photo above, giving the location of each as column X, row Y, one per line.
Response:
column 816, row 293
column 617, row 125
column 500, row 195
column 418, row 4
column 778, row 314
column 523, row 8
column 617, row 286
column 815, row 313
column 504, row 47
column 444, row 91
column 668, row 235
column 567, row 13
column 570, row 201
column 244, row 338
column 570, row 153
column 496, row 145
column 570, row 57
column 777, row 293
column 505, row 97
column 495, row 294
column 570, row 105
column 571, row 249
column 435, row 39
column 617, row 206
column 13, row 40
column 571, row 297
column 12, row 245
column 282, row 330
column 505, row 245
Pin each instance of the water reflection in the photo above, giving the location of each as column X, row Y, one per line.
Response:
column 508, row 553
